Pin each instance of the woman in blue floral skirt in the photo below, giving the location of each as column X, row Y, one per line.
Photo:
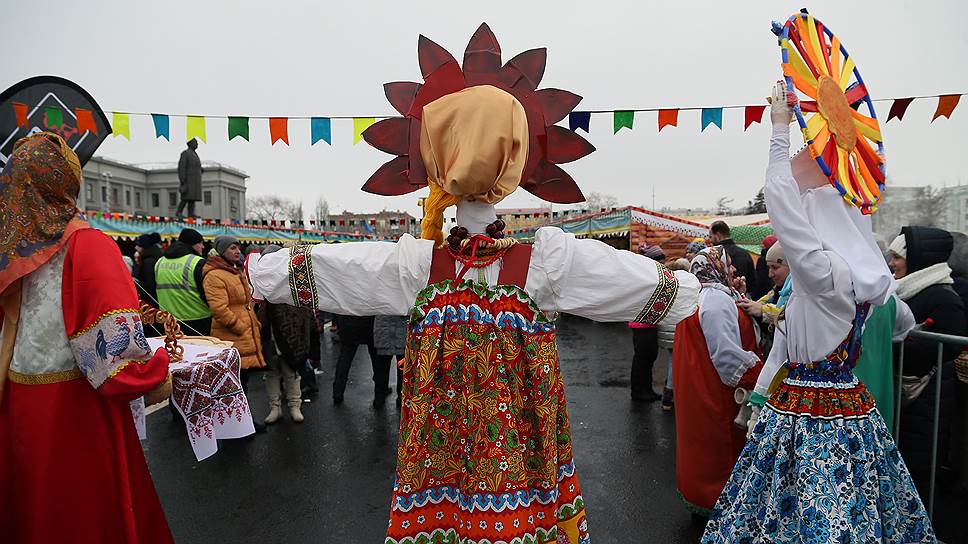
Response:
column 820, row 465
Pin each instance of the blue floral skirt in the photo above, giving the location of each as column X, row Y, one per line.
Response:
column 808, row 479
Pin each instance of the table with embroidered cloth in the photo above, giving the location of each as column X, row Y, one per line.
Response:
column 207, row 392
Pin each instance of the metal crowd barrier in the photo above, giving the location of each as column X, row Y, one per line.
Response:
column 941, row 339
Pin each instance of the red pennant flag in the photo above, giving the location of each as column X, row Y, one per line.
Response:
column 946, row 105
column 668, row 118
column 20, row 110
column 85, row 121
column 753, row 114
column 898, row 108
column 279, row 129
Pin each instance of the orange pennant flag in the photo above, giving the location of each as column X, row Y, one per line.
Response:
column 85, row 121
column 668, row 118
column 946, row 105
column 279, row 129
column 20, row 110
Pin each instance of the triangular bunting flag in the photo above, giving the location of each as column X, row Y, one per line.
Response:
column 622, row 119
column 946, row 105
column 321, row 128
column 195, row 128
column 53, row 117
column 278, row 130
column 120, row 125
column 85, row 121
column 20, row 111
column 668, row 118
column 898, row 108
column 712, row 116
column 579, row 120
column 359, row 125
column 752, row 114
column 162, row 126
column 239, row 126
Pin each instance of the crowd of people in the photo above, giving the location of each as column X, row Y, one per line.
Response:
column 777, row 439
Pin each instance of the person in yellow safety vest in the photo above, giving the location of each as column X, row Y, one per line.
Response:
column 178, row 276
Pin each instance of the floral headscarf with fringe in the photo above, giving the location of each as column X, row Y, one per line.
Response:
column 38, row 204
column 711, row 267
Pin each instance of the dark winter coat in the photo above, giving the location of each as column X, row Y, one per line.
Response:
column 763, row 281
column 944, row 307
column 287, row 329
column 146, row 274
column 190, row 175
column 355, row 330
column 742, row 262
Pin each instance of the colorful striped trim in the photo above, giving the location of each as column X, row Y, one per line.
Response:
column 302, row 283
column 662, row 298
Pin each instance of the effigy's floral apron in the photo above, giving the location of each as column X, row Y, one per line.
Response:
column 485, row 445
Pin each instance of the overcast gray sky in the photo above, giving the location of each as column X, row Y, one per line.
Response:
column 291, row 58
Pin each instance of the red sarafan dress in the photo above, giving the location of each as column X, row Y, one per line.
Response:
column 485, row 445
column 71, row 466
column 707, row 441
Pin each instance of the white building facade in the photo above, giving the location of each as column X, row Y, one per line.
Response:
column 117, row 187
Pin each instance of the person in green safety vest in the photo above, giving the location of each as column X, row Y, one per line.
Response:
column 178, row 277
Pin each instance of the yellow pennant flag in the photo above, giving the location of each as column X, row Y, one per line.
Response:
column 121, row 125
column 359, row 125
column 195, row 128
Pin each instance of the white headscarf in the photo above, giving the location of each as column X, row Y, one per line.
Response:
column 845, row 231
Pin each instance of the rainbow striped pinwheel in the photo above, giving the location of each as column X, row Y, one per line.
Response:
column 841, row 139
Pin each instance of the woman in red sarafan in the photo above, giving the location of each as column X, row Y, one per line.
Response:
column 715, row 352
column 73, row 355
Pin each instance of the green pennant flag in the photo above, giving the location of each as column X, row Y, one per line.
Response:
column 55, row 117
column 239, row 126
column 623, row 119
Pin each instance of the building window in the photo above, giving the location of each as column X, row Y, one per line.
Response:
column 155, row 200
column 172, row 199
column 89, row 191
column 137, row 200
column 207, row 198
column 104, row 194
column 115, row 199
column 127, row 198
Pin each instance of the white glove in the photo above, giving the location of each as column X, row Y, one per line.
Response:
column 781, row 112
column 754, row 417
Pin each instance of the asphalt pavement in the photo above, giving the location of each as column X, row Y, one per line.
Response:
column 329, row 479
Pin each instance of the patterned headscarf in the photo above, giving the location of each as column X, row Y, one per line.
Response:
column 38, row 204
column 711, row 268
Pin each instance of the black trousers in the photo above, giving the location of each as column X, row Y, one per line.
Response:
column 381, row 369
column 645, row 345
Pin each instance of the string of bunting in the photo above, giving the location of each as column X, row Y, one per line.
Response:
column 321, row 128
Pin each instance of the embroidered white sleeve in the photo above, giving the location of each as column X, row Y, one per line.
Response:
column 596, row 281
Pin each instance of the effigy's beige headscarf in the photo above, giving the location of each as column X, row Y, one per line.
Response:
column 474, row 144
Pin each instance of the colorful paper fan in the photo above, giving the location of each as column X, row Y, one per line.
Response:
column 549, row 145
column 845, row 143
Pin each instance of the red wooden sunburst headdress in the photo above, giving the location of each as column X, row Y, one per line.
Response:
column 549, row 145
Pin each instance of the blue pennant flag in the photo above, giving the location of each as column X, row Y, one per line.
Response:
column 322, row 129
column 161, row 126
column 712, row 116
column 579, row 120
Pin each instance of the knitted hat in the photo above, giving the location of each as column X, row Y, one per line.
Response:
column 769, row 241
column 190, row 237
column 653, row 252
column 899, row 247
column 775, row 254
column 222, row 243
